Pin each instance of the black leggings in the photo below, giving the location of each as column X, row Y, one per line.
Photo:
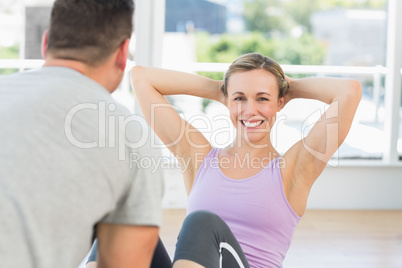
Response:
column 205, row 239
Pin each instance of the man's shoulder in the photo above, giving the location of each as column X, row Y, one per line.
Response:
column 14, row 77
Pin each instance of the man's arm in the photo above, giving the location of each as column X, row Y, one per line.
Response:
column 121, row 246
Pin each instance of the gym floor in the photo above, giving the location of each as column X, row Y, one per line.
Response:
column 329, row 238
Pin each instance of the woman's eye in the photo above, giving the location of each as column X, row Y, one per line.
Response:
column 262, row 99
column 239, row 98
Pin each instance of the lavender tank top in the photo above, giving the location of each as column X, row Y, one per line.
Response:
column 255, row 209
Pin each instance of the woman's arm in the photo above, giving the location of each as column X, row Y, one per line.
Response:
column 308, row 157
column 323, row 89
column 186, row 143
column 169, row 82
column 343, row 97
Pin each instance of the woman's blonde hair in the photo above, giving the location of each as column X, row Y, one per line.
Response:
column 252, row 61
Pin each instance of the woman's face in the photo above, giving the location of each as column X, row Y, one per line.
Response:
column 253, row 103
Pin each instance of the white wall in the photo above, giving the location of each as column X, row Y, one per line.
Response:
column 367, row 186
column 358, row 187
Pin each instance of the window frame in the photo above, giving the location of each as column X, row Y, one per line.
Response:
column 150, row 15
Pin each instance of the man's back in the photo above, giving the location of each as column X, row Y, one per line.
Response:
column 62, row 169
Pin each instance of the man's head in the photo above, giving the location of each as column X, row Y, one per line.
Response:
column 88, row 31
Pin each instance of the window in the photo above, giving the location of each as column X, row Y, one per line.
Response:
column 329, row 38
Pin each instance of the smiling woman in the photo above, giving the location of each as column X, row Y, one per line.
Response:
column 244, row 200
column 253, row 101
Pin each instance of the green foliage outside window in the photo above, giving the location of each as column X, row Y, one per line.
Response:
column 305, row 50
column 277, row 17
column 9, row 53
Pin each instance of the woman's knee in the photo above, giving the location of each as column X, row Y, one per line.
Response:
column 203, row 221
column 203, row 218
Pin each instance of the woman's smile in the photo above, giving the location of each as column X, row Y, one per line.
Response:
column 252, row 124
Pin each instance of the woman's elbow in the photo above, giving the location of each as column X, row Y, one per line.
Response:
column 136, row 71
column 355, row 90
column 138, row 78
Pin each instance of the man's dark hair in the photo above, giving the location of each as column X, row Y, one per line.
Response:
column 89, row 30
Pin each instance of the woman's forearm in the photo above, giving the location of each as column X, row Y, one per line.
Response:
column 169, row 82
column 323, row 89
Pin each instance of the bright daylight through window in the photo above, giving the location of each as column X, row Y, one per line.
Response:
column 308, row 38
column 327, row 38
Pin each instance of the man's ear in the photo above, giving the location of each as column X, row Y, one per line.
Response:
column 44, row 44
column 122, row 54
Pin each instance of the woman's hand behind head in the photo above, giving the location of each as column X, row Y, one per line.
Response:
column 288, row 96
